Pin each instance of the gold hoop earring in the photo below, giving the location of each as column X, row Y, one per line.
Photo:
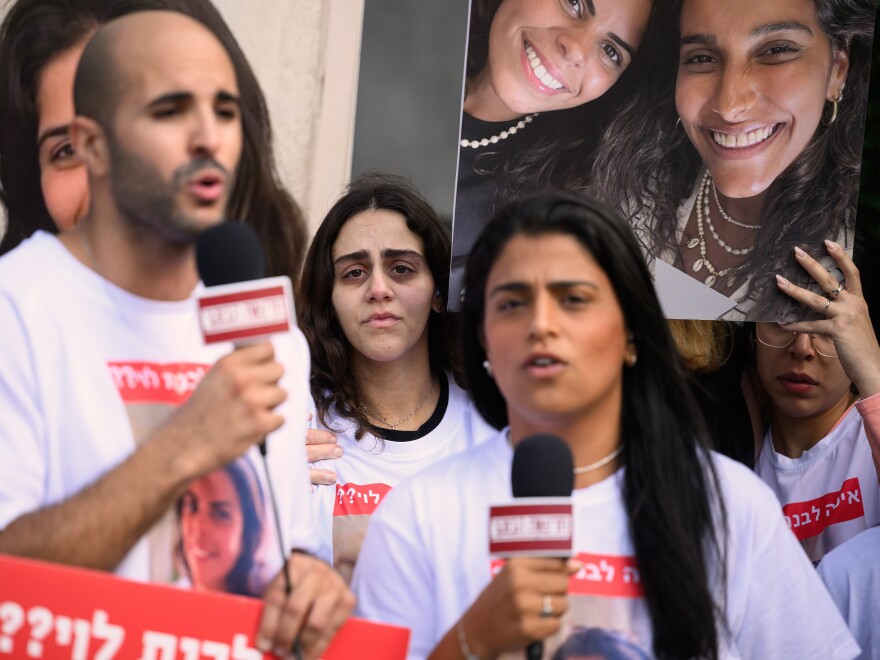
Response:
column 834, row 102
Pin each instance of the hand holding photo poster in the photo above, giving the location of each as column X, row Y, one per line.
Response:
column 734, row 136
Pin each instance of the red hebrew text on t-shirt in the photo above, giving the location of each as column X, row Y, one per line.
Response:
column 356, row 499
column 808, row 519
column 155, row 382
column 602, row 575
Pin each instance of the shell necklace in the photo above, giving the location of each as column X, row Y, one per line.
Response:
column 704, row 214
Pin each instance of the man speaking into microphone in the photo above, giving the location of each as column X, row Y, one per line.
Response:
column 113, row 408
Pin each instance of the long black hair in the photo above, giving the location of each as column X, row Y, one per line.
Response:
column 670, row 486
column 648, row 166
column 558, row 146
column 36, row 31
column 332, row 383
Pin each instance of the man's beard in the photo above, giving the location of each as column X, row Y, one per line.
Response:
column 148, row 202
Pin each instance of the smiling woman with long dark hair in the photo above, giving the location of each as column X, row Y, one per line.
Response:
column 681, row 549
column 746, row 144
column 543, row 79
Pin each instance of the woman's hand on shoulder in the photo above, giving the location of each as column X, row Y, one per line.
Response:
column 846, row 321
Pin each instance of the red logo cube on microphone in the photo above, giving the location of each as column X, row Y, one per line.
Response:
column 245, row 310
column 533, row 527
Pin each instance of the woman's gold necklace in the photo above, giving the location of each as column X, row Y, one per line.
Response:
column 393, row 427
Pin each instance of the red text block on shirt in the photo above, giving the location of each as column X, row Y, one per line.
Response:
column 156, row 382
column 53, row 612
column 358, row 499
column 612, row 576
column 811, row 518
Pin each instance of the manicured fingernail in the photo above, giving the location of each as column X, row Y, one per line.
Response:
column 831, row 245
column 337, row 452
column 263, row 644
column 781, row 281
column 799, row 252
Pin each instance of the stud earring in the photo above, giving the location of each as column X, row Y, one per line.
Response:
column 632, row 360
column 488, row 367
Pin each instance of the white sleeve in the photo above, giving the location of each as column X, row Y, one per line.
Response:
column 785, row 610
column 22, row 427
column 286, row 448
column 393, row 578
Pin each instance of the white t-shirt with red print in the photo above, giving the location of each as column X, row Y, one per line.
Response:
column 370, row 467
column 425, row 560
column 831, row 492
column 88, row 370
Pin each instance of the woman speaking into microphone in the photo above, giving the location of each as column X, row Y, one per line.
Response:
column 680, row 552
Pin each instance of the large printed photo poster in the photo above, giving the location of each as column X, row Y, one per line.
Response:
column 727, row 132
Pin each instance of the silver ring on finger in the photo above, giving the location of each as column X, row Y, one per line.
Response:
column 833, row 294
column 827, row 305
column 547, row 607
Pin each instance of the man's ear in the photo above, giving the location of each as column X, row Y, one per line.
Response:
column 90, row 144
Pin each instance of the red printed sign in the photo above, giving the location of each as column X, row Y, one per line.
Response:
column 53, row 612
column 356, row 499
column 154, row 382
column 612, row 576
column 808, row 519
column 246, row 310
column 537, row 527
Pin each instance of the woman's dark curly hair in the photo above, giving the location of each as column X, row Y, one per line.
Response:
column 648, row 166
column 332, row 382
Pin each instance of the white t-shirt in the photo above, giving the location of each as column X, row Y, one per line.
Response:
column 830, row 493
column 371, row 467
column 425, row 560
column 852, row 574
column 87, row 370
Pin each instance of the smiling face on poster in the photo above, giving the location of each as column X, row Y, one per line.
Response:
column 542, row 77
column 748, row 147
column 727, row 132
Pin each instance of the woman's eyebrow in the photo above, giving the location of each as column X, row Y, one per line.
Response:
column 780, row 27
column 761, row 30
column 398, row 253
column 571, row 284
column 55, row 131
column 359, row 255
column 699, row 39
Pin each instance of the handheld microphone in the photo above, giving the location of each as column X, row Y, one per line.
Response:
column 541, row 522
column 240, row 304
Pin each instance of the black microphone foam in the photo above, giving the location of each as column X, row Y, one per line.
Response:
column 542, row 467
column 229, row 252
